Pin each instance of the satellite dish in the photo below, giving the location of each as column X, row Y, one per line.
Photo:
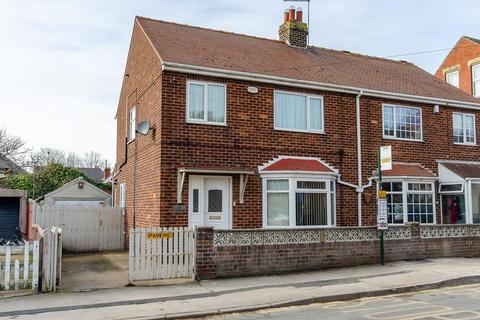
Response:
column 143, row 127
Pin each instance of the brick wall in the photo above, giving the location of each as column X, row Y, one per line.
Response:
column 464, row 51
column 249, row 140
column 219, row 261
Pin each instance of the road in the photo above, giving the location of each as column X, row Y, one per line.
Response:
column 461, row 302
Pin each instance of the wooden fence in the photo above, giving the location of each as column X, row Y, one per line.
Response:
column 162, row 253
column 20, row 261
column 22, row 267
column 84, row 229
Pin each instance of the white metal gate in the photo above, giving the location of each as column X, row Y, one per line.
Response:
column 85, row 229
column 162, row 253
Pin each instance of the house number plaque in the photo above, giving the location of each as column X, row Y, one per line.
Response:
column 159, row 235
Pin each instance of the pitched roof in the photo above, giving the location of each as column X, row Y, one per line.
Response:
column 96, row 174
column 408, row 170
column 477, row 41
column 297, row 164
column 8, row 165
column 182, row 44
column 464, row 170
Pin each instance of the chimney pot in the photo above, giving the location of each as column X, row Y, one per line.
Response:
column 285, row 15
column 291, row 16
column 299, row 14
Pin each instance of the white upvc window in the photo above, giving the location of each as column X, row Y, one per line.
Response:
column 132, row 123
column 121, row 198
column 453, row 77
column 410, row 200
column 403, row 123
column 206, row 103
column 464, row 128
column 298, row 112
column 298, row 202
column 476, row 80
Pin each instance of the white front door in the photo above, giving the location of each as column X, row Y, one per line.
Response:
column 209, row 201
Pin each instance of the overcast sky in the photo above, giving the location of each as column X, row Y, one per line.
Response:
column 62, row 61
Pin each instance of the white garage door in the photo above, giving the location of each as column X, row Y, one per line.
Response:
column 83, row 203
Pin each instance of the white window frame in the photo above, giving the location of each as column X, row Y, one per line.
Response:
column 205, row 85
column 307, row 98
column 475, row 80
column 405, row 192
column 449, row 74
column 132, row 123
column 464, row 115
column 394, row 137
column 122, row 193
column 330, row 191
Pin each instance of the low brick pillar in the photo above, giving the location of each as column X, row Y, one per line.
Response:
column 204, row 258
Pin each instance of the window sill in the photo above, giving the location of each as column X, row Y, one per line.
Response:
column 403, row 139
column 299, row 131
column 465, row 144
column 297, row 227
column 207, row 123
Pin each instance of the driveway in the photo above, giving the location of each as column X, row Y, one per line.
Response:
column 87, row 272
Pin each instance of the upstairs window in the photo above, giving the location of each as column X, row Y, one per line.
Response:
column 453, row 77
column 298, row 112
column 401, row 122
column 464, row 128
column 206, row 103
column 476, row 80
column 132, row 123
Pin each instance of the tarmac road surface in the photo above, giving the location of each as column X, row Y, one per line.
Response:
column 461, row 302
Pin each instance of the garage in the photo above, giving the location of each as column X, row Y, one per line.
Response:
column 9, row 217
column 12, row 213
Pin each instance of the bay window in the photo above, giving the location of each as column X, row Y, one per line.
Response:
column 401, row 122
column 206, row 103
column 298, row 112
column 298, row 202
column 464, row 128
column 411, row 201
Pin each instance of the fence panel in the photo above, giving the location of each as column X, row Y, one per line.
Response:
column 84, row 229
column 161, row 253
column 15, row 261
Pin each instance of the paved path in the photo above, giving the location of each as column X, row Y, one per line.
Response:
column 232, row 295
column 440, row 304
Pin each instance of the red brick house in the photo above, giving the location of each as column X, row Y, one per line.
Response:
column 461, row 67
column 248, row 132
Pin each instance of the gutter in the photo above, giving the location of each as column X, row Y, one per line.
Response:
column 247, row 76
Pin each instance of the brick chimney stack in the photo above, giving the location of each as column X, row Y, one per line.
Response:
column 293, row 30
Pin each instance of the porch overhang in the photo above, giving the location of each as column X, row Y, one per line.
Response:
column 243, row 173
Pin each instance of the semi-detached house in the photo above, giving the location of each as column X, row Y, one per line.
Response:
column 247, row 132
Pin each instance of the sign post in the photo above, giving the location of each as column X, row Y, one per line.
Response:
column 384, row 163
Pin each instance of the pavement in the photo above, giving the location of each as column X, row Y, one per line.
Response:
column 214, row 297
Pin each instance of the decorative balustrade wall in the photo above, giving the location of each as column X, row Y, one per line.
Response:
column 231, row 253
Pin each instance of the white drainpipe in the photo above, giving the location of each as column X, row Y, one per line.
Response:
column 359, row 161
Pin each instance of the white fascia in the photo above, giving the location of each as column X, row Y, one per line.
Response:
column 247, row 76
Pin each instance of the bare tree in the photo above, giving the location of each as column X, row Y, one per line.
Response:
column 14, row 148
column 46, row 156
column 93, row 159
column 73, row 160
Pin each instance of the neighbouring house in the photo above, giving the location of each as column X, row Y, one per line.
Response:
column 461, row 67
column 96, row 174
column 77, row 192
column 247, row 132
column 8, row 167
column 13, row 213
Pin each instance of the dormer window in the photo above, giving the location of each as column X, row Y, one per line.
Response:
column 453, row 77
